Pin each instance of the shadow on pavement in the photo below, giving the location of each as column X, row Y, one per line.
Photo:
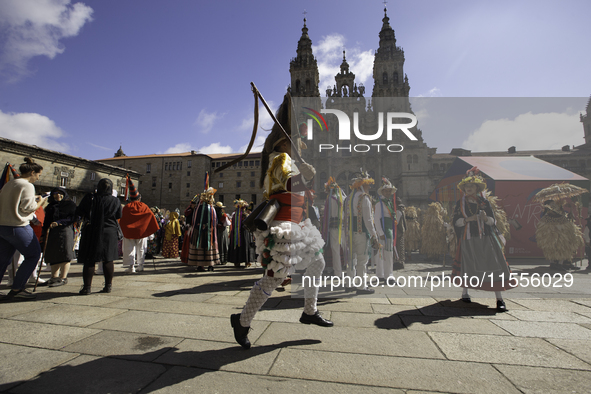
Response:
column 120, row 375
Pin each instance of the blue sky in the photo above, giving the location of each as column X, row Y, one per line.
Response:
column 84, row 77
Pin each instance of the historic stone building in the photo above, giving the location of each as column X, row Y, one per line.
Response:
column 404, row 161
column 171, row 180
column 77, row 175
column 416, row 169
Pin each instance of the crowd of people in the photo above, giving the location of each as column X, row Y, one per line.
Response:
column 342, row 236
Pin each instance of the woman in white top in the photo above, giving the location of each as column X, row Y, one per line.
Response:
column 18, row 203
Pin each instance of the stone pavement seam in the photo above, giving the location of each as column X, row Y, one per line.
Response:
column 494, row 366
column 566, row 351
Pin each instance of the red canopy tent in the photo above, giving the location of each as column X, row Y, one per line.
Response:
column 515, row 180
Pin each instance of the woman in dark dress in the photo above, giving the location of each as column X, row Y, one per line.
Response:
column 99, row 212
column 59, row 220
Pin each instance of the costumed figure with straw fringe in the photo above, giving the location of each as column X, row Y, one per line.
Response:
column 239, row 251
column 433, row 232
column 332, row 226
column 412, row 236
column 556, row 233
column 361, row 231
column 203, row 247
column 480, row 248
column 289, row 241
column 386, row 219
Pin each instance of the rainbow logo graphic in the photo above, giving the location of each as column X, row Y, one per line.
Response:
column 315, row 115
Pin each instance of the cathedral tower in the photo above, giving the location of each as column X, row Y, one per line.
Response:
column 304, row 68
column 388, row 67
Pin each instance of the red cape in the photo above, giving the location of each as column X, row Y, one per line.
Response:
column 137, row 221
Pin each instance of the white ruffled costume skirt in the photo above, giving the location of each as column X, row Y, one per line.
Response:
column 294, row 245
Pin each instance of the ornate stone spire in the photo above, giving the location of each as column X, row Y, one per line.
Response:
column 304, row 68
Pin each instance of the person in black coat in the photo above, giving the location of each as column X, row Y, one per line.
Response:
column 99, row 212
column 59, row 221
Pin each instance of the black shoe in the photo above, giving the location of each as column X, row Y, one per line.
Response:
column 316, row 318
column 57, row 282
column 84, row 290
column 466, row 299
column 21, row 295
column 210, row 268
column 106, row 289
column 501, row 306
column 200, row 269
column 240, row 333
column 365, row 291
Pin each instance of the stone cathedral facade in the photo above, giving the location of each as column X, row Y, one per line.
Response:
column 406, row 162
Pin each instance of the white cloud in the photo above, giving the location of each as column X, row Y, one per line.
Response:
column 180, row 148
column 33, row 129
column 257, row 146
column 34, row 28
column 527, row 132
column 329, row 54
column 265, row 121
column 435, row 92
column 216, row 147
column 205, row 120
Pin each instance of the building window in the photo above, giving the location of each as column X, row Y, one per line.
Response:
column 217, row 164
column 251, row 163
column 188, row 173
column 64, row 181
column 252, row 173
column 237, row 196
column 170, row 185
column 122, row 192
column 221, row 174
column 220, row 185
column 395, row 76
column 187, row 195
column 92, row 176
column 238, row 173
column 188, row 185
column 174, row 166
column 224, row 163
column 251, row 183
column 221, row 198
column 212, row 164
column 165, row 166
column 239, row 164
column 189, row 162
column 180, row 165
column 253, row 199
column 257, row 163
column 148, row 168
column 238, row 184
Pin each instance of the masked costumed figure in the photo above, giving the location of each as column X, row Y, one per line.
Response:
column 558, row 236
column 386, row 219
column 361, row 231
column 433, row 239
column 203, row 249
column 239, row 251
column 289, row 241
column 479, row 252
column 333, row 223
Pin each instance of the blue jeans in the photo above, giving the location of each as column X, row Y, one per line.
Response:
column 25, row 241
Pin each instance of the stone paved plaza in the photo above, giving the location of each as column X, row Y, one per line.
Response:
column 167, row 330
